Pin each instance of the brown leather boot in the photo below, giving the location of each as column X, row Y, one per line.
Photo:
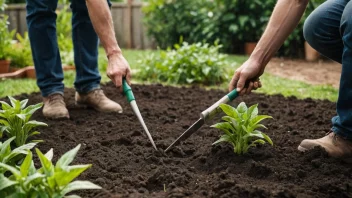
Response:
column 335, row 146
column 97, row 100
column 55, row 107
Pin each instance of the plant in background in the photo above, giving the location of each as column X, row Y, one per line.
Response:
column 241, row 127
column 5, row 35
column 49, row 181
column 12, row 157
column 15, row 120
column 186, row 64
column 21, row 55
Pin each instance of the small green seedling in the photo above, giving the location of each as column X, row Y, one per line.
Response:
column 15, row 120
column 241, row 127
column 49, row 181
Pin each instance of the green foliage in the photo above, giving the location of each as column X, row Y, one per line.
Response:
column 196, row 63
column 15, row 120
column 64, row 33
column 21, row 54
column 49, row 181
column 6, row 36
column 12, row 157
column 241, row 127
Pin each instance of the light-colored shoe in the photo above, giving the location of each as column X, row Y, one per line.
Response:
column 335, row 146
column 96, row 99
column 55, row 107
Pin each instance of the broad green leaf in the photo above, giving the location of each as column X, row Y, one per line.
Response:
column 13, row 101
column 5, row 182
column 79, row 185
column 223, row 138
column 255, row 134
column 267, row 138
column 252, row 111
column 22, row 116
column 46, row 163
column 227, row 109
column 224, row 126
column 242, row 108
column 4, row 122
column 232, row 121
column 26, row 164
column 258, row 119
column 5, row 106
column 32, row 108
column 20, row 150
column 31, row 124
column 64, row 177
column 17, row 195
column 49, row 155
column 34, row 179
column 32, row 169
column 24, row 103
column 245, row 129
column 13, row 170
column 5, row 147
column 67, row 158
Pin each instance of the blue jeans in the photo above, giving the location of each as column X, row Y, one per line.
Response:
column 329, row 30
column 41, row 22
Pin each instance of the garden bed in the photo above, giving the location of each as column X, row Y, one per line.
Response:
column 126, row 165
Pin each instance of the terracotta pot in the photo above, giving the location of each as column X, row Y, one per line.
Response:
column 4, row 66
column 249, row 47
column 310, row 53
column 30, row 72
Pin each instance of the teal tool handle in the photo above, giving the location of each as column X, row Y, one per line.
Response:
column 214, row 109
column 127, row 91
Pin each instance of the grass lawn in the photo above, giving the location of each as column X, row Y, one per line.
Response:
column 271, row 84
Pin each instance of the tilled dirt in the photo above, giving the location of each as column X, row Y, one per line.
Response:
column 126, row 165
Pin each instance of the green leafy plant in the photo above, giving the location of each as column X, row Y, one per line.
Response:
column 47, row 182
column 15, row 120
column 21, row 55
column 241, row 127
column 6, row 36
column 196, row 63
column 12, row 157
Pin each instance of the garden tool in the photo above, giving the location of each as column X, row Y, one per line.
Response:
column 127, row 90
column 205, row 116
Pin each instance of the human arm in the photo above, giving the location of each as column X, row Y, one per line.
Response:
column 101, row 18
column 285, row 17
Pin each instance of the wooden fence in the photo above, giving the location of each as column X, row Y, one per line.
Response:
column 129, row 29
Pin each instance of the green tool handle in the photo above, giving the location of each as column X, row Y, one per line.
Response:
column 214, row 109
column 127, row 91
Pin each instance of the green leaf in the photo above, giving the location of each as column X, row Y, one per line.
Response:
column 64, row 177
column 225, row 127
column 22, row 116
column 5, row 147
column 242, row 108
column 32, row 108
column 267, row 138
column 227, row 109
column 79, row 185
column 67, row 158
column 255, row 142
column 24, row 103
column 46, row 163
column 13, row 170
column 258, row 119
column 35, row 178
column 34, row 133
column 252, row 111
column 5, row 182
column 13, row 101
column 5, row 106
column 223, row 138
column 20, row 150
column 49, row 155
column 26, row 164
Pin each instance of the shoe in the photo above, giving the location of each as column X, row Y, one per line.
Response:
column 55, row 107
column 97, row 100
column 335, row 146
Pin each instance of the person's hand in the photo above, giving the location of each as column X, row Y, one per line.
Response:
column 118, row 68
column 246, row 77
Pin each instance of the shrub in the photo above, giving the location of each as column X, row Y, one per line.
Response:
column 15, row 120
column 6, row 36
column 49, row 181
column 240, row 127
column 196, row 63
column 21, row 55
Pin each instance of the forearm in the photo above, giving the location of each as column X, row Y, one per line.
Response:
column 285, row 17
column 101, row 18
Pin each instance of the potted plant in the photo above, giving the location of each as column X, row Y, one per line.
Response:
column 5, row 42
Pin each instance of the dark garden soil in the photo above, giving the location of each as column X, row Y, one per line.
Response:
column 126, row 165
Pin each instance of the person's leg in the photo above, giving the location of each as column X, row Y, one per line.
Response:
column 85, row 42
column 342, row 124
column 41, row 22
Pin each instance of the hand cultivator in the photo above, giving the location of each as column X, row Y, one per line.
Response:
column 127, row 90
column 205, row 116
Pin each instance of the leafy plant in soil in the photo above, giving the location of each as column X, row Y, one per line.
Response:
column 15, row 120
column 196, row 63
column 11, row 157
column 47, row 182
column 241, row 127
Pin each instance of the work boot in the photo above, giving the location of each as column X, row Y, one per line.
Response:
column 335, row 146
column 98, row 101
column 55, row 107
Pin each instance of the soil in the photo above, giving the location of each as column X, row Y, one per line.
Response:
column 322, row 72
column 126, row 165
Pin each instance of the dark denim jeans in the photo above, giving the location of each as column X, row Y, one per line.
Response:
column 329, row 30
column 41, row 22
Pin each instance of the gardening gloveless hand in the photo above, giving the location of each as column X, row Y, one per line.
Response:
column 249, row 73
column 118, row 68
